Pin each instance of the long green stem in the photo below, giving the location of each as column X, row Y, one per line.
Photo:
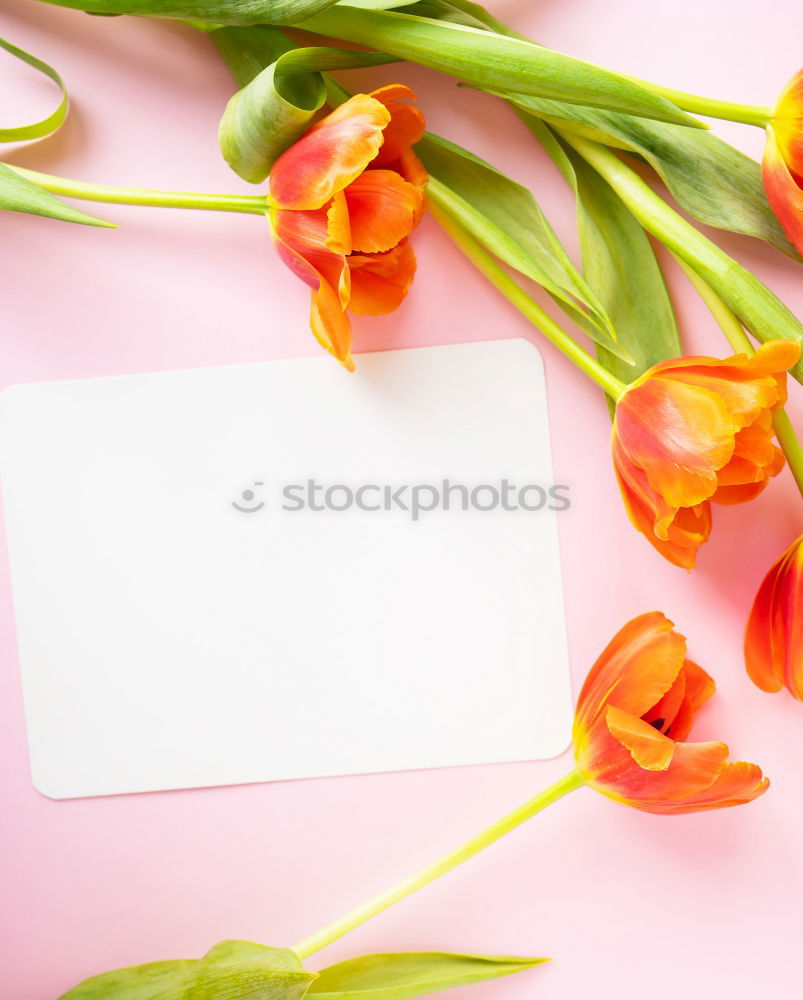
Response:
column 744, row 113
column 250, row 205
column 740, row 342
column 516, row 295
column 726, row 318
column 447, row 863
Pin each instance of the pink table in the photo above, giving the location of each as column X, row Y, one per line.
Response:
column 706, row 905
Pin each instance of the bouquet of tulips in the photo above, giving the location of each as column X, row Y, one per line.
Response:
column 343, row 179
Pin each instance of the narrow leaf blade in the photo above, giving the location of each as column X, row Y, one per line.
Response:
column 404, row 976
column 18, row 194
column 53, row 121
column 493, row 61
column 505, row 217
column 620, row 265
column 154, row 981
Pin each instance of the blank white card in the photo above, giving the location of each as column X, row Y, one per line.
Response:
column 284, row 570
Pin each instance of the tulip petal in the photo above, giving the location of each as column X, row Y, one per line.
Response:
column 675, row 533
column 788, row 623
column 328, row 321
column 774, row 634
column 330, row 155
column 379, row 282
column 787, row 124
column 663, row 714
column 411, row 169
column 382, row 209
column 634, row 671
column 783, row 192
column 322, row 237
column 693, row 769
column 755, row 458
column 697, row 437
column 649, row 748
column 737, row 784
column 699, row 684
column 406, row 124
column 764, row 669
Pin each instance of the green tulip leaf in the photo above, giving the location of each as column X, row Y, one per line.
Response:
column 218, row 11
column 274, row 110
column 22, row 133
column 18, row 194
column 232, row 970
column 505, row 218
column 619, row 264
column 403, row 976
column 709, row 178
column 377, row 4
column 493, row 61
column 155, row 981
column 240, row 970
column 248, row 51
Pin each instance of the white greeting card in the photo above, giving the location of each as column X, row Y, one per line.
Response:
column 283, row 570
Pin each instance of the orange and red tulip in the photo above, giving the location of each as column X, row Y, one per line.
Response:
column 343, row 201
column 782, row 166
column 693, row 431
column 773, row 645
column 634, row 713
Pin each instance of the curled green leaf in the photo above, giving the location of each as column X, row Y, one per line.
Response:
column 404, row 976
column 23, row 133
column 275, row 108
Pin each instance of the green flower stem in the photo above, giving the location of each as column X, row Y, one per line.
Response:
column 740, row 342
column 728, row 321
column 447, row 863
column 790, row 445
column 254, row 205
column 516, row 295
column 708, row 108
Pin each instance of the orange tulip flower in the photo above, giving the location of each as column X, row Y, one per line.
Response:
column 773, row 645
column 343, row 200
column 782, row 166
column 633, row 716
column 694, row 431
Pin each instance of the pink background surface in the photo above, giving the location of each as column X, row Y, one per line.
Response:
column 704, row 905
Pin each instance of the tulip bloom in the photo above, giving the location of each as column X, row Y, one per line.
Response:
column 343, row 200
column 782, row 166
column 633, row 716
column 693, row 431
column 773, row 645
